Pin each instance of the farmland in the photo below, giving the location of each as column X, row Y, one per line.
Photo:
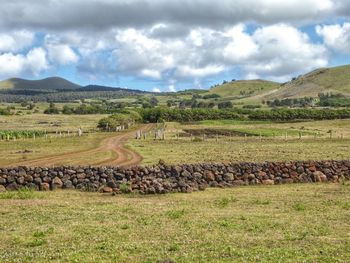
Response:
column 212, row 141
column 272, row 145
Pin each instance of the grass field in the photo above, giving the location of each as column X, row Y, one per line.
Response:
column 240, row 150
column 50, row 122
column 286, row 223
column 338, row 127
column 29, row 149
column 272, row 147
column 252, row 149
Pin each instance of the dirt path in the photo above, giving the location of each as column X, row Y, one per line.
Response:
column 122, row 156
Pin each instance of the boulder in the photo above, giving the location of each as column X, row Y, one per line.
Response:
column 44, row 187
column 68, row 184
column 185, row 173
column 319, row 176
column 22, row 172
column 228, row 177
column 209, row 176
column 56, row 183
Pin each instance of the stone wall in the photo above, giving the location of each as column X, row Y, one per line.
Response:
column 162, row 178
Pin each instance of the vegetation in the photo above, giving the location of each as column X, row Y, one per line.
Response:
column 299, row 114
column 10, row 135
column 186, row 115
column 292, row 223
column 333, row 100
column 52, row 109
column 4, row 112
column 119, row 119
column 225, row 105
column 295, row 102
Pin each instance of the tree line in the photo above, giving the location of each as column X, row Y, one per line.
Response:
column 299, row 114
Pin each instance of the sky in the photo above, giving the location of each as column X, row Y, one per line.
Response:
column 165, row 45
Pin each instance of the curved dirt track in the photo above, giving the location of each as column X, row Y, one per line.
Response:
column 122, row 156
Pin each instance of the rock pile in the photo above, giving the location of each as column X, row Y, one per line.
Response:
column 162, row 178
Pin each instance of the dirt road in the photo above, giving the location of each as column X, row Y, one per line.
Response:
column 122, row 156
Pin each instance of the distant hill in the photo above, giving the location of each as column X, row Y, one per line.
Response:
column 106, row 88
column 58, row 89
column 243, row 88
column 324, row 80
column 53, row 83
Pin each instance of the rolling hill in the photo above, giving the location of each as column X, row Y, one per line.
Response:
column 244, row 88
column 325, row 80
column 334, row 80
column 52, row 83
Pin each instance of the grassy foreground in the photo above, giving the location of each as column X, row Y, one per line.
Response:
column 286, row 223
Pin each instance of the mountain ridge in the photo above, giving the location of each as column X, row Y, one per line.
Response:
column 334, row 80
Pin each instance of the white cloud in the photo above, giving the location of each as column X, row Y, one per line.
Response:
column 15, row 41
column 336, row 36
column 34, row 62
column 137, row 53
column 156, row 90
column 188, row 71
column 277, row 51
column 62, row 54
column 172, row 88
column 283, row 51
column 240, row 46
column 155, row 74
column 181, row 40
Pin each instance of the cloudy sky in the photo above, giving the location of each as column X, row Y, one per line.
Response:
column 171, row 45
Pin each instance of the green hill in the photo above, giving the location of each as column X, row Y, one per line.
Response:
column 324, row 80
column 53, row 83
column 244, row 90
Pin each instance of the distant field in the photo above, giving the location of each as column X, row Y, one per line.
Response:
column 286, row 223
column 254, row 149
column 50, row 122
column 338, row 127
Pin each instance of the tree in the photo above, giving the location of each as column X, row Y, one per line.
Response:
column 225, row 105
column 153, row 101
column 52, row 109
